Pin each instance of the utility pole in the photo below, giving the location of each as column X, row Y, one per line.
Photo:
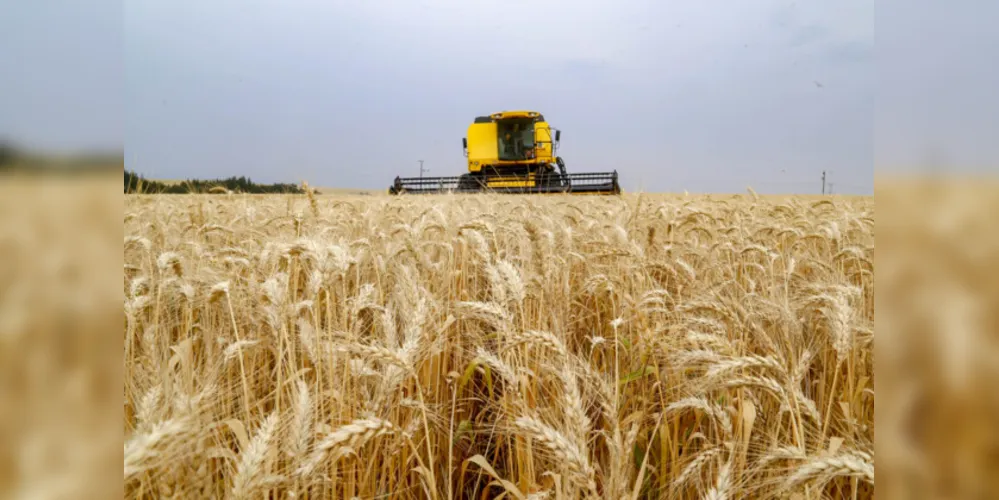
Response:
column 831, row 187
column 823, row 182
column 421, row 169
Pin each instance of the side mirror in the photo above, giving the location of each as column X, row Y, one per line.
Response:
column 464, row 143
column 558, row 135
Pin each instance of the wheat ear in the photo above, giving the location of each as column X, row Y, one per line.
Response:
column 565, row 451
column 352, row 435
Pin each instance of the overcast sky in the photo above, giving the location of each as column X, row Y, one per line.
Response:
column 61, row 68
column 703, row 95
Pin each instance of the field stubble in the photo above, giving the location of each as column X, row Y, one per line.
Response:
column 633, row 347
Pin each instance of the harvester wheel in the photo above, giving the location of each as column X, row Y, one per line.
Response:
column 469, row 183
column 561, row 168
column 550, row 178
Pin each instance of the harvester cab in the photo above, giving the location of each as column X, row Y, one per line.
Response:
column 512, row 152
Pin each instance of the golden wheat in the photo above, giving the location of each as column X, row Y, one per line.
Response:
column 465, row 346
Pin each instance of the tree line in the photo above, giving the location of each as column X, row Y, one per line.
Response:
column 135, row 183
column 18, row 160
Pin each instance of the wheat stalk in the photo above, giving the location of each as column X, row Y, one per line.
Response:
column 546, row 340
column 822, row 469
column 248, row 473
column 565, row 451
column 701, row 403
column 142, row 447
column 720, row 490
column 350, row 436
column 652, row 346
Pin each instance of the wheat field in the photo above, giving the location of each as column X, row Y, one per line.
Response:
column 642, row 346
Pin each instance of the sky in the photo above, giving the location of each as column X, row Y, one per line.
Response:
column 61, row 74
column 697, row 95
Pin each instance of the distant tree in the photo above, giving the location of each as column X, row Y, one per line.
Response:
column 8, row 153
column 135, row 183
column 130, row 181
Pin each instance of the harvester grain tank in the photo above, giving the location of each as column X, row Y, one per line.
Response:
column 512, row 152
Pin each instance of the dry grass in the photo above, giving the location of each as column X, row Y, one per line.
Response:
column 462, row 347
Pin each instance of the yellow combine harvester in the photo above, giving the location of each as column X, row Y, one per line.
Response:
column 512, row 152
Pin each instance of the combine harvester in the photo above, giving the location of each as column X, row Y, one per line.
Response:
column 512, row 152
